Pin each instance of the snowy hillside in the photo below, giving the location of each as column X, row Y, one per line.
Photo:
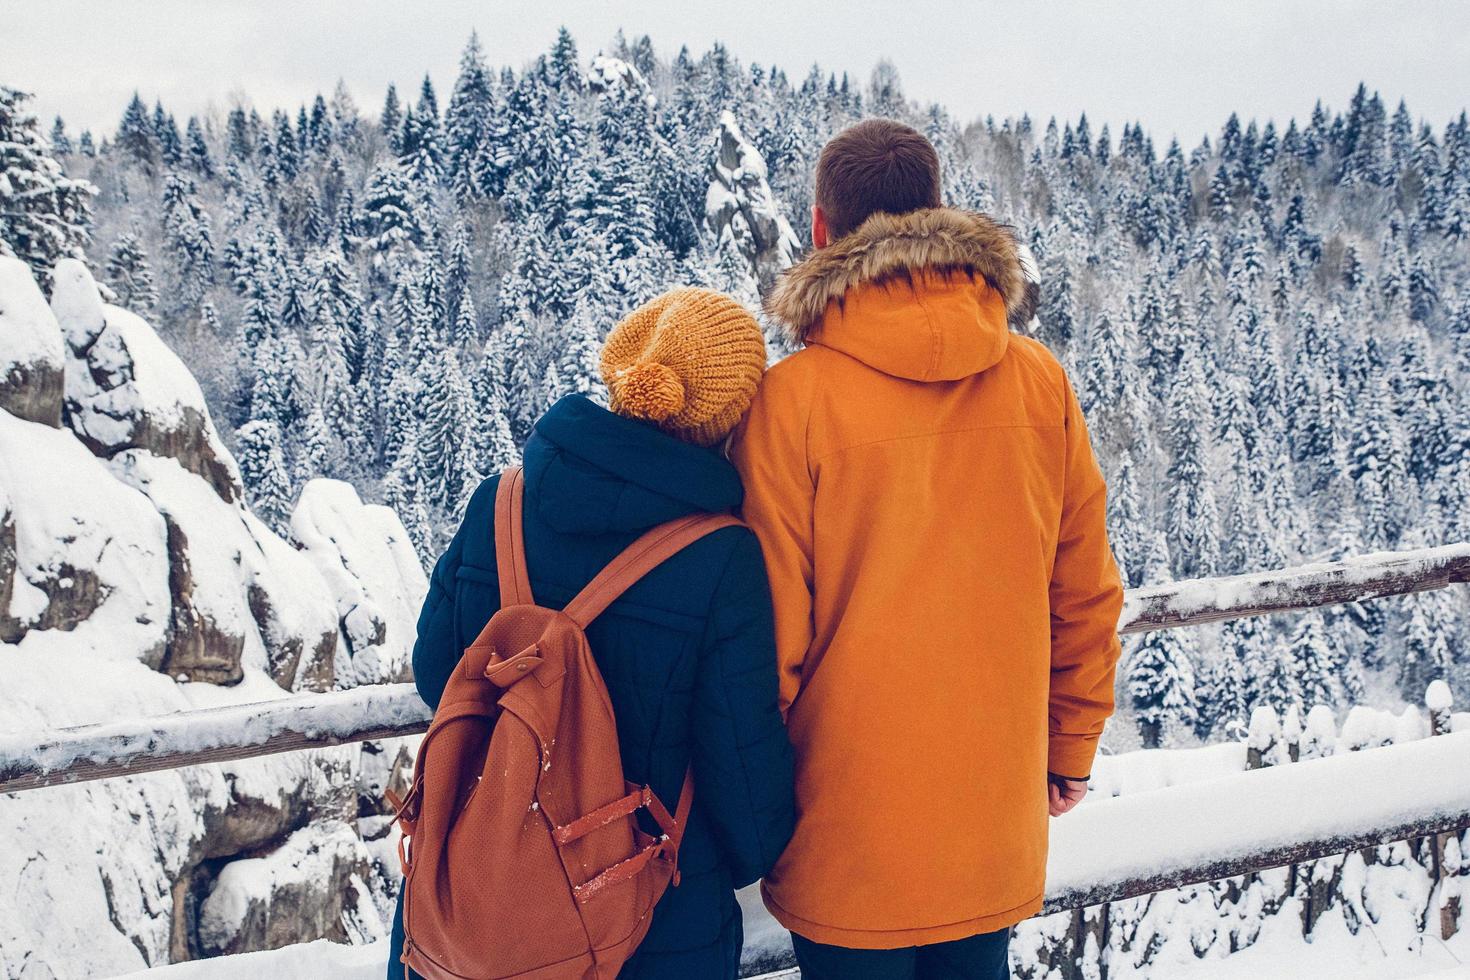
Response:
column 134, row 581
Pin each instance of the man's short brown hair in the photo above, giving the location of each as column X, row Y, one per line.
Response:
column 876, row 165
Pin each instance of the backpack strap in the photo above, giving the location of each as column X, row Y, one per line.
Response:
column 510, row 540
column 641, row 557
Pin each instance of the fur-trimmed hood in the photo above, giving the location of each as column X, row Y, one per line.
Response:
column 888, row 246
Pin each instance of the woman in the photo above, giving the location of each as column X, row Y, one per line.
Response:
column 687, row 653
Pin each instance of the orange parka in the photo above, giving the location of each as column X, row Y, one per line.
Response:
column 932, row 519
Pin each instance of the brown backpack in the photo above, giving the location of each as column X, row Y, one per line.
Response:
column 522, row 855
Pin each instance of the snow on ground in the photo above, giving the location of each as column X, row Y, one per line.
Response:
column 308, row 961
column 1333, row 954
column 1280, row 953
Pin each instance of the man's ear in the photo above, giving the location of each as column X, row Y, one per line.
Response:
column 819, row 228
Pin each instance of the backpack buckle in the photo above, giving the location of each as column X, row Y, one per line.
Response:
column 504, row 673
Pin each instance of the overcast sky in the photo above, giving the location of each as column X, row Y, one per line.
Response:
column 1178, row 65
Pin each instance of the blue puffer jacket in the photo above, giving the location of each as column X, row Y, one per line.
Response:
column 687, row 653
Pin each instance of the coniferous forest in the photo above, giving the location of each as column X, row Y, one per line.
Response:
column 1269, row 331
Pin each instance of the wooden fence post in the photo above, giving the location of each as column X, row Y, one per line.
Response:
column 1265, row 733
column 1291, row 733
column 1448, row 859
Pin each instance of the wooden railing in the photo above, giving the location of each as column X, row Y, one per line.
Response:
column 306, row 721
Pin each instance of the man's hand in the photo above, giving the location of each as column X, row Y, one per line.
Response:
column 1062, row 793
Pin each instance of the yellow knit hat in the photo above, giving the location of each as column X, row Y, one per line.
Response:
column 688, row 361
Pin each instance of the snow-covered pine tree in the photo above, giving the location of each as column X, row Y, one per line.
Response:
column 263, row 470
column 60, row 142
column 45, row 214
column 170, row 145
column 136, row 138
column 467, row 120
column 1314, row 661
column 445, row 442
column 188, row 237
column 390, row 120
column 1159, row 672
column 130, row 276
column 196, row 151
column 1427, row 656
column 1193, row 516
column 389, row 227
column 1223, row 705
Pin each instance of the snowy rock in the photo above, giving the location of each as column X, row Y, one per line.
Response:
column 269, row 797
column 30, row 348
column 609, row 74
column 377, row 585
column 240, row 596
column 313, row 884
column 740, row 208
column 126, row 390
column 83, row 559
column 386, row 765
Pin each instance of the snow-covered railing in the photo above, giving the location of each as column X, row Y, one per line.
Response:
column 187, row 738
column 1209, row 600
column 307, row 721
column 1251, row 821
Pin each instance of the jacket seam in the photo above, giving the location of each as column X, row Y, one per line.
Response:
column 1057, row 390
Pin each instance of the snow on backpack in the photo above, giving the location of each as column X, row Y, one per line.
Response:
column 522, row 854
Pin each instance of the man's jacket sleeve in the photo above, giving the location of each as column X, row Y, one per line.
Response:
column 1086, row 600
column 770, row 452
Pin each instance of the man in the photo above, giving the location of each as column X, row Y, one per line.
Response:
column 946, row 604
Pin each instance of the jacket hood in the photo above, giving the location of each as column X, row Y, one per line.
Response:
column 589, row 471
column 965, row 275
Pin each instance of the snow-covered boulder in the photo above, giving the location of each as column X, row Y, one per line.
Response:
column 83, row 558
column 365, row 556
column 30, row 348
column 609, row 74
column 241, row 597
column 740, row 208
column 313, row 884
column 126, row 390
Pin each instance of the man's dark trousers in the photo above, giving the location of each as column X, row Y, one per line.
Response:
column 982, row 957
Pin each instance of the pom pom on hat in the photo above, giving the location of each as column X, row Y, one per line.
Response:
column 650, row 391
